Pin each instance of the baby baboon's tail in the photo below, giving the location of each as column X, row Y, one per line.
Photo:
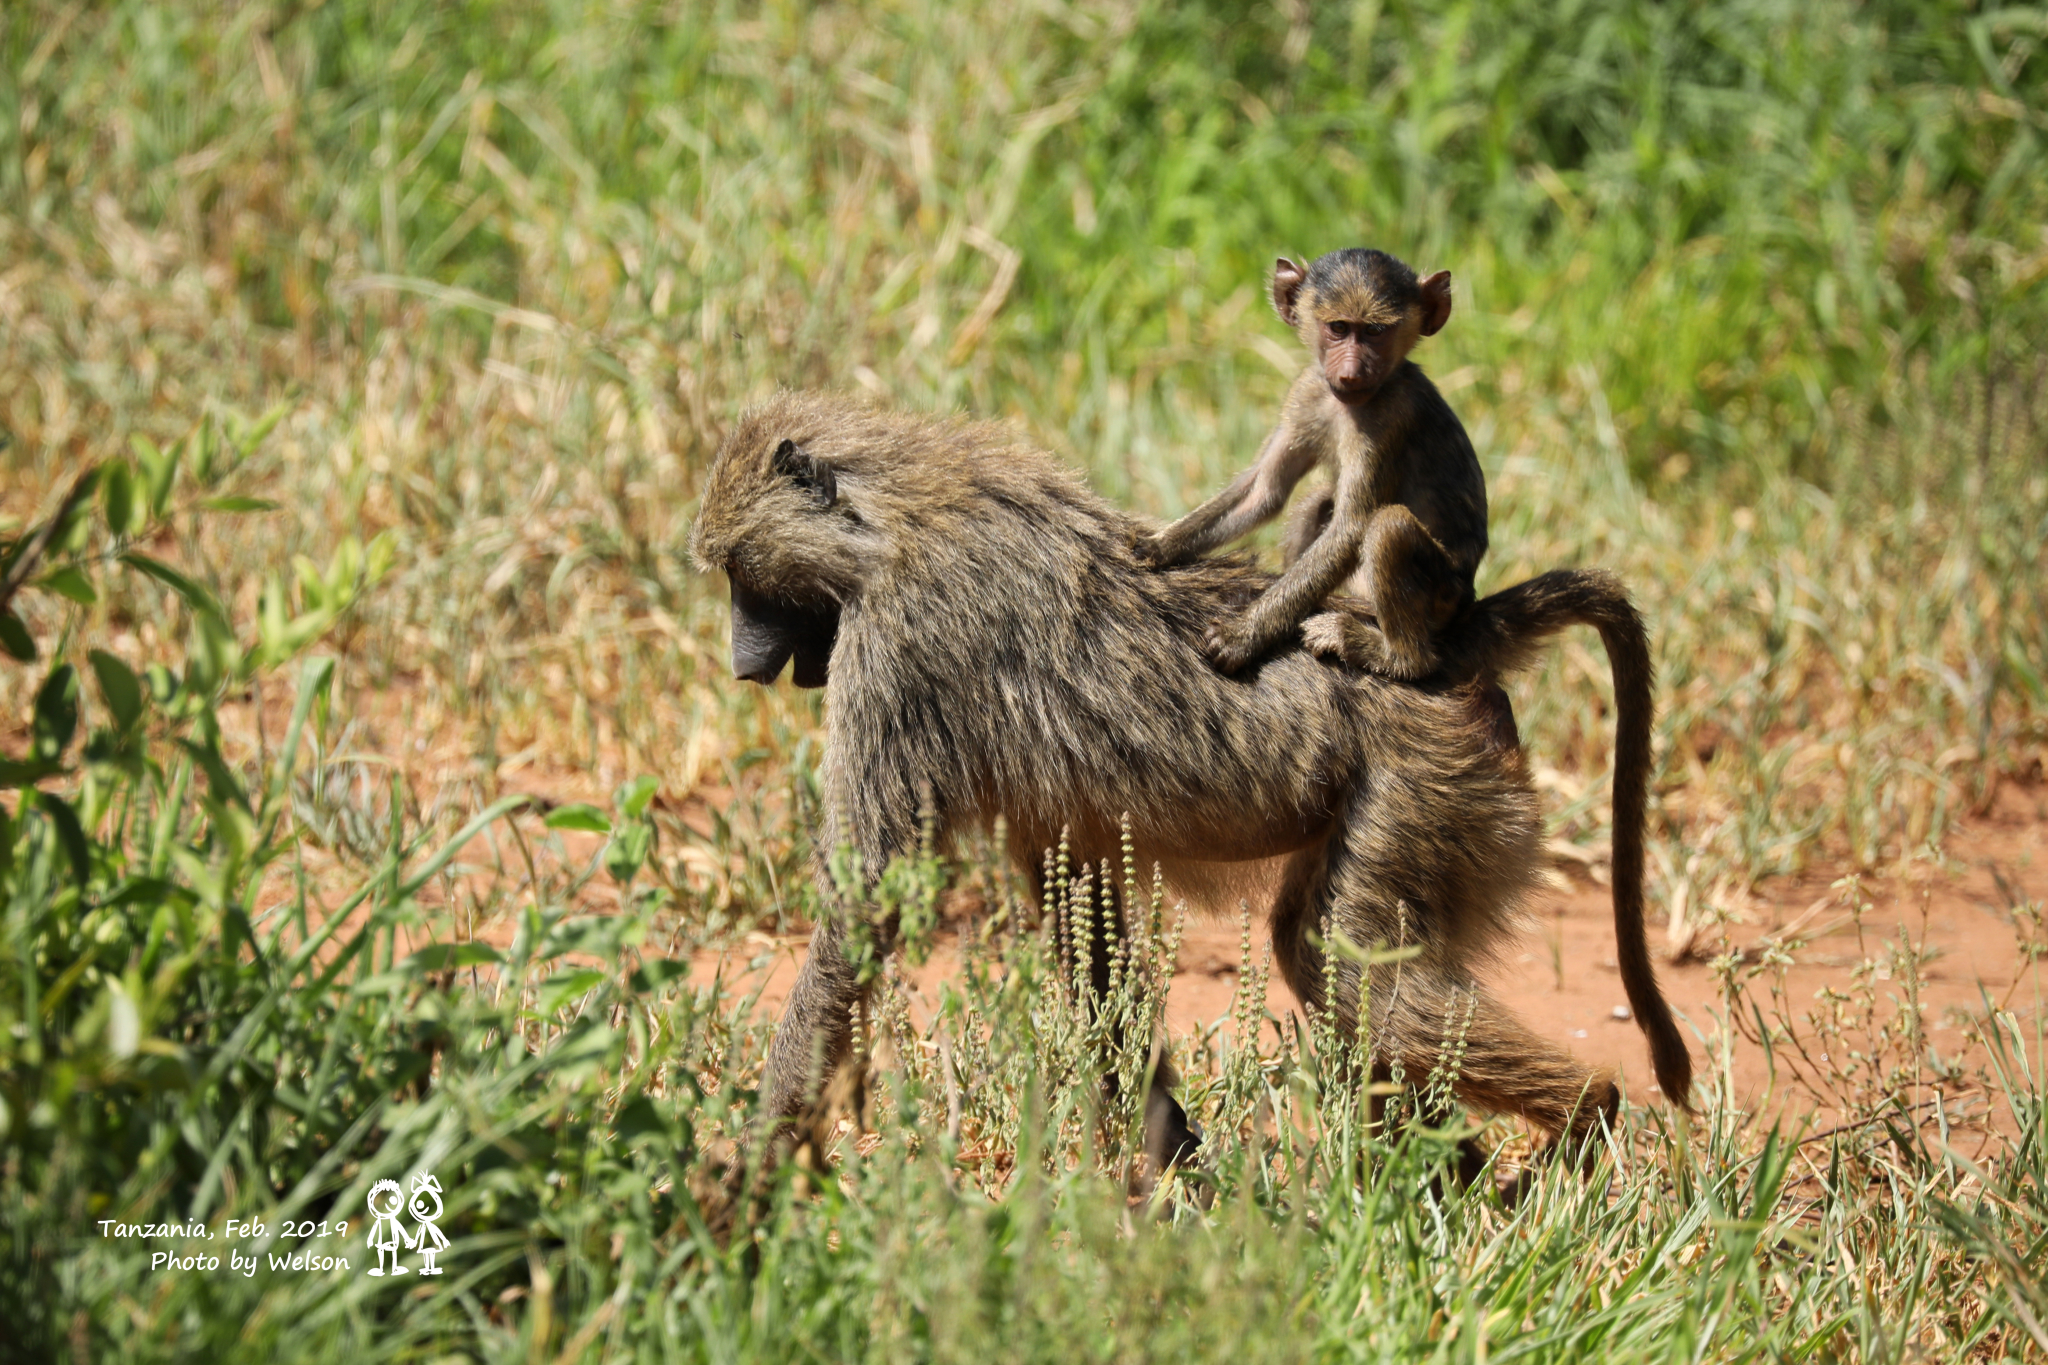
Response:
column 1501, row 634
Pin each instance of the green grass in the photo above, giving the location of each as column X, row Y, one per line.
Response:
column 1747, row 302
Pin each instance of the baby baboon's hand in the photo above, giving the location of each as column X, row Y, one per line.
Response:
column 1152, row 551
column 1229, row 646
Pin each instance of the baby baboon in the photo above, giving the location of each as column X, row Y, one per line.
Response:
column 991, row 647
column 1408, row 509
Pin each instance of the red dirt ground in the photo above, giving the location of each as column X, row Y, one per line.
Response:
column 1559, row 975
column 1960, row 912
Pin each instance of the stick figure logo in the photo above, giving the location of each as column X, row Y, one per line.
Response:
column 386, row 1233
column 426, row 1207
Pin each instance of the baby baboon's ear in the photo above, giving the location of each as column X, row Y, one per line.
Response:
column 1287, row 281
column 807, row 472
column 1435, row 297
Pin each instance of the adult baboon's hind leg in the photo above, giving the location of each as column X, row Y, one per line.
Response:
column 1506, row 1069
column 1425, row 1011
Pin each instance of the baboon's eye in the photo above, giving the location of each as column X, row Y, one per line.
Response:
column 807, row 472
column 1374, row 329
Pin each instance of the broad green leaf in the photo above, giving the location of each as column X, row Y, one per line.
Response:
column 596, row 936
column 56, row 712
column 639, row 1119
column 200, row 446
column 225, row 786
column 440, row 956
column 15, row 639
column 588, row 1044
column 382, row 983
column 343, row 571
column 119, row 687
column 559, row 989
column 251, row 436
column 67, row 581
column 658, row 972
column 70, row 833
column 627, row 852
column 194, row 595
column 25, row 773
column 589, row 819
column 117, row 489
column 159, row 470
column 633, row 798
column 378, row 557
column 239, row 505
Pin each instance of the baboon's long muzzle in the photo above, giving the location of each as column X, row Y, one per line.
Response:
column 765, row 633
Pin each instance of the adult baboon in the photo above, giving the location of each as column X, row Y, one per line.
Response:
column 990, row 646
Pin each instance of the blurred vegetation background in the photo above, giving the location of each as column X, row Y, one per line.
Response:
column 1748, row 298
column 457, row 301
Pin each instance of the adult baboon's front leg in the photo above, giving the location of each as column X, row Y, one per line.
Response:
column 816, row 1029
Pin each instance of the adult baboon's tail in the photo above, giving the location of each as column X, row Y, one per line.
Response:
column 1500, row 635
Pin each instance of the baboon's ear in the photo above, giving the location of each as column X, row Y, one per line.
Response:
column 1287, row 282
column 807, row 472
column 1435, row 296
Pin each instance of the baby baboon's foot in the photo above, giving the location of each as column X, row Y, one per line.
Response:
column 1406, row 659
column 1324, row 636
column 1341, row 636
column 1491, row 707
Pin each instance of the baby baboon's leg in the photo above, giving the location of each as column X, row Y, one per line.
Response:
column 1415, row 590
column 1491, row 704
column 1414, row 587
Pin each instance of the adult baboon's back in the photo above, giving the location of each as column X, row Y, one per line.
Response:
column 990, row 646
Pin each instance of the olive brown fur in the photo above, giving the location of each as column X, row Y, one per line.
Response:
column 991, row 647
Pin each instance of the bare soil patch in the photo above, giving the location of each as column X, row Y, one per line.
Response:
column 1560, row 974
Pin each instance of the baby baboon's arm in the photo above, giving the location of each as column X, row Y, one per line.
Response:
column 1329, row 560
column 1252, row 498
